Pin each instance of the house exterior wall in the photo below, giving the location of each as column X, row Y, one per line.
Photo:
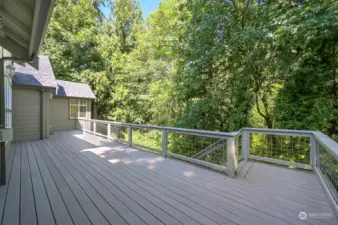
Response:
column 27, row 113
column 59, row 116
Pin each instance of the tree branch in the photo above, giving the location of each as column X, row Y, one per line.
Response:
column 258, row 109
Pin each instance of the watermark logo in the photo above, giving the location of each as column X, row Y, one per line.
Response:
column 304, row 215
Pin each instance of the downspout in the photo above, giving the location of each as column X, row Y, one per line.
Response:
column 41, row 114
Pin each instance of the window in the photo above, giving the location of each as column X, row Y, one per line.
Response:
column 78, row 108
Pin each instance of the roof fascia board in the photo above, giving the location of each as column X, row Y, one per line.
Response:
column 43, row 11
column 68, row 97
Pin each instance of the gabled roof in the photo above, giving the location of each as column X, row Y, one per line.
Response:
column 73, row 89
column 27, row 75
column 44, row 78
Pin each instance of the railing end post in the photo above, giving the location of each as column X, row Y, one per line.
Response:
column 246, row 144
column 130, row 135
column 109, row 131
column 94, row 130
column 164, row 142
column 313, row 152
column 232, row 158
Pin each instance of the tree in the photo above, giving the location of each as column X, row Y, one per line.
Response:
column 73, row 45
column 216, row 65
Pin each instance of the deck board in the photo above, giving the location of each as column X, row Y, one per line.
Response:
column 27, row 204
column 111, row 193
column 112, row 214
column 12, row 201
column 151, row 191
column 75, row 209
column 4, row 188
column 233, row 203
column 60, row 211
column 123, row 182
column 248, row 209
column 271, row 219
column 83, row 199
column 83, row 179
column 43, row 209
column 125, row 194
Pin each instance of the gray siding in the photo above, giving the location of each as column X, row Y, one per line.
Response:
column 59, row 115
column 26, row 114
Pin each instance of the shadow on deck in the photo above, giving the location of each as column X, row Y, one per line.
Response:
column 76, row 178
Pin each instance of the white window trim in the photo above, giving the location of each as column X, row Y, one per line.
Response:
column 78, row 108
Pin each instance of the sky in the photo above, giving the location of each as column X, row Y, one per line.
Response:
column 148, row 6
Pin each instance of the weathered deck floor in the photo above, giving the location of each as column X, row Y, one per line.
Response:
column 82, row 179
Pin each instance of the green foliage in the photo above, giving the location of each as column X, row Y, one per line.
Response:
column 214, row 65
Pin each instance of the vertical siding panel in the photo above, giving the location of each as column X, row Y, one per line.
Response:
column 26, row 114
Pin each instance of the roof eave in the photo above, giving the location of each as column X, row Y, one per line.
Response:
column 12, row 39
column 74, row 97
column 33, row 86
column 43, row 12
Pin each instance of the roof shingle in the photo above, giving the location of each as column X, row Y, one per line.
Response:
column 44, row 77
column 73, row 89
column 27, row 75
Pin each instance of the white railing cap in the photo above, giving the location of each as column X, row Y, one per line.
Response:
column 324, row 140
column 327, row 142
column 279, row 131
column 173, row 129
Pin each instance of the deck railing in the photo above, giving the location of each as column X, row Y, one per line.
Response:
column 326, row 165
column 285, row 147
column 222, row 151
column 215, row 150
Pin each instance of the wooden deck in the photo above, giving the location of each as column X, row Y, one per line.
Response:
column 82, row 179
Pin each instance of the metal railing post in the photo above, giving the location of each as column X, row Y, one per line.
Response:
column 109, row 131
column 317, row 157
column 246, row 145
column 313, row 152
column 232, row 160
column 94, row 128
column 130, row 136
column 164, row 142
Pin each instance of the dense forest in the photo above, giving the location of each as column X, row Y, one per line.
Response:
column 203, row 64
